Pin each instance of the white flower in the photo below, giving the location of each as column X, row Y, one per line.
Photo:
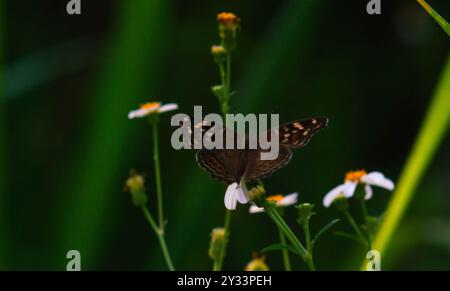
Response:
column 280, row 201
column 151, row 107
column 236, row 193
column 352, row 179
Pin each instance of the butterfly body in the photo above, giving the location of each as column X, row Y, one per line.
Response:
column 234, row 165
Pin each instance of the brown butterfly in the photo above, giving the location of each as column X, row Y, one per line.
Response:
column 233, row 165
column 237, row 166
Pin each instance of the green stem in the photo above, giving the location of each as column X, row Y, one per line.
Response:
column 364, row 209
column 366, row 220
column 285, row 253
column 225, row 78
column 228, row 84
column 224, row 100
column 218, row 263
column 309, row 261
column 158, row 176
column 309, row 248
column 160, row 234
column 355, row 227
column 276, row 217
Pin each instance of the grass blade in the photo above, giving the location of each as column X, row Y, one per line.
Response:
column 280, row 247
column 441, row 21
column 96, row 179
column 324, row 229
column 429, row 138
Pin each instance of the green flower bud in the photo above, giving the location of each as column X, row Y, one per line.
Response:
column 218, row 91
column 257, row 195
column 217, row 243
column 305, row 211
column 135, row 184
column 219, row 53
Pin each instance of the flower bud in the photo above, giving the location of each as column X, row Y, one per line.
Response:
column 257, row 195
column 218, row 91
column 257, row 264
column 135, row 184
column 228, row 28
column 219, row 53
column 305, row 212
column 217, row 243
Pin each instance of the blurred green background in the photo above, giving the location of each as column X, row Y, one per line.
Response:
column 66, row 146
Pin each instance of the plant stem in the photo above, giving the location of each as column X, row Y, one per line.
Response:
column 228, row 84
column 309, row 247
column 285, row 253
column 356, row 228
column 160, row 234
column 276, row 217
column 224, row 100
column 364, row 209
column 159, row 230
column 431, row 134
column 366, row 220
column 158, row 176
column 225, row 78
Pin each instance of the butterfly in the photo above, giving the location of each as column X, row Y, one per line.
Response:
column 235, row 165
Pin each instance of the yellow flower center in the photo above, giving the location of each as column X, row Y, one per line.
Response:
column 275, row 198
column 150, row 106
column 355, row 176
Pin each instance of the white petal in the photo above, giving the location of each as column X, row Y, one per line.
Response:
column 378, row 179
column 349, row 188
column 138, row 113
column 333, row 194
column 369, row 192
column 255, row 209
column 242, row 196
column 168, row 107
column 289, row 199
column 230, row 196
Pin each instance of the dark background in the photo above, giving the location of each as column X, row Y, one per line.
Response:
column 69, row 82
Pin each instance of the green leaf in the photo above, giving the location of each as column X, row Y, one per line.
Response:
column 324, row 229
column 280, row 247
column 441, row 21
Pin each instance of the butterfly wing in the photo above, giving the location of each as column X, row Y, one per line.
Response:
column 259, row 169
column 297, row 134
column 223, row 165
